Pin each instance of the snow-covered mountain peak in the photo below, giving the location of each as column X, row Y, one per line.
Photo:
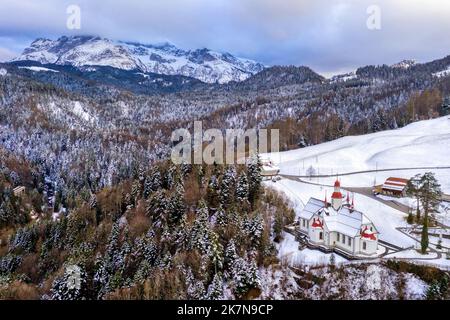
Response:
column 140, row 48
column 98, row 51
column 41, row 43
column 163, row 58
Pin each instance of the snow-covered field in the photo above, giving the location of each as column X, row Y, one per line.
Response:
column 39, row 69
column 420, row 144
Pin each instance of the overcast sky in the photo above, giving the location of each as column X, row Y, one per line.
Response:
column 330, row 36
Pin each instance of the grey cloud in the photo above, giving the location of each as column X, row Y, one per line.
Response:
column 6, row 54
column 328, row 35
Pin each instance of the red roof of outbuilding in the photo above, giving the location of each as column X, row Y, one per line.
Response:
column 397, row 180
column 396, row 184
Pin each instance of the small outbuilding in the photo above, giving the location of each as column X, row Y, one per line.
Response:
column 18, row 191
column 395, row 187
column 269, row 169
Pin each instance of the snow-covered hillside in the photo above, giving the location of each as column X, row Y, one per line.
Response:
column 420, row 144
column 443, row 73
column 203, row 64
column 344, row 77
column 405, row 64
column 39, row 69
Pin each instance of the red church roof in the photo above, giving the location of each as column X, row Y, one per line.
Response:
column 317, row 223
column 337, row 183
column 366, row 233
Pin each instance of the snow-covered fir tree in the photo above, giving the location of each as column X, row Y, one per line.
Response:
column 215, row 289
column 230, row 255
column 216, row 251
column 213, row 192
column 227, row 186
column 254, row 167
column 245, row 275
column 242, row 187
column 195, row 288
column 72, row 285
column 177, row 206
column 253, row 227
column 200, row 231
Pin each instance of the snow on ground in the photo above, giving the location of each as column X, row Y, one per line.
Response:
column 277, row 283
column 442, row 263
column 143, row 75
column 444, row 213
column 288, row 252
column 411, row 254
column 39, row 69
column 435, row 240
column 3, row 72
column 386, row 219
column 352, row 282
column 415, row 288
column 79, row 110
column 420, row 144
column 344, row 77
column 410, row 202
column 433, row 237
column 377, row 178
column 414, row 256
column 371, row 282
column 443, row 73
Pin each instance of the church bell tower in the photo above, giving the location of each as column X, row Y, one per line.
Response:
column 336, row 198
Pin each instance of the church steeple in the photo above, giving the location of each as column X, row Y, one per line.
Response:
column 336, row 198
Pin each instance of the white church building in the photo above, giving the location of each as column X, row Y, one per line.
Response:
column 338, row 226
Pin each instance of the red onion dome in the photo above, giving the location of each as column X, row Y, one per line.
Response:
column 336, row 195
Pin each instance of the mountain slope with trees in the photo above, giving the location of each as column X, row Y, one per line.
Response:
column 100, row 141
